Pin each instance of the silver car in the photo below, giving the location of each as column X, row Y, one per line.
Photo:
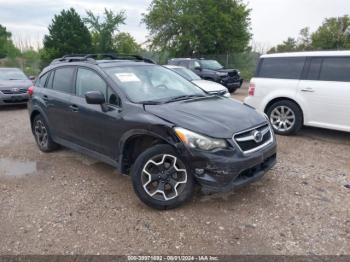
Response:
column 13, row 86
column 208, row 86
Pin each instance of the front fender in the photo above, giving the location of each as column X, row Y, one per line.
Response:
column 158, row 132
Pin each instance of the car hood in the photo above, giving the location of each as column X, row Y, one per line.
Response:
column 212, row 116
column 8, row 84
column 209, row 86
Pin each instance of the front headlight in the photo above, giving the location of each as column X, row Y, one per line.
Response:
column 195, row 140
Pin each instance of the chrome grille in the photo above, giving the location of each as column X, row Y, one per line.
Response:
column 254, row 139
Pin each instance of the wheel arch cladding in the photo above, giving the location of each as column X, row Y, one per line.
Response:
column 34, row 113
column 137, row 143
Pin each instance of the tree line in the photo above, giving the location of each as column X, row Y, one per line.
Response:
column 69, row 33
column 333, row 34
column 178, row 27
column 198, row 28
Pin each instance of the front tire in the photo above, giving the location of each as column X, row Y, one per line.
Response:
column 161, row 178
column 42, row 135
column 285, row 117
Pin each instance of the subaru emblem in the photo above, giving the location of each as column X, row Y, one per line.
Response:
column 258, row 136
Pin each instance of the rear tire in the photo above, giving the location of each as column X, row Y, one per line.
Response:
column 161, row 178
column 42, row 135
column 285, row 117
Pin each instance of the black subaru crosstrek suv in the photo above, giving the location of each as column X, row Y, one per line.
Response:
column 211, row 70
column 151, row 123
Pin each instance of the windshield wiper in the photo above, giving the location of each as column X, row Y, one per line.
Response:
column 151, row 102
column 183, row 97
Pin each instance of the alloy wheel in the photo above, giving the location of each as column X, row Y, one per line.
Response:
column 164, row 177
column 282, row 118
column 41, row 133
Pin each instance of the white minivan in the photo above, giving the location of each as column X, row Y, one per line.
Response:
column 306, row 88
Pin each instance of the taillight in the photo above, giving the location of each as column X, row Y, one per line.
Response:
column 30, row 91
column 251, row 90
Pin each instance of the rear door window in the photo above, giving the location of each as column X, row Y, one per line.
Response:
column 282, row 68
column 335, row 69
column 63, row 80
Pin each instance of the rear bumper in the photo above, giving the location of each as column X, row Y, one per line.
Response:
column 13, row 99
column 229, row 169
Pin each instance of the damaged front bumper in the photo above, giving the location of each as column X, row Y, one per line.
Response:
column 227, row 169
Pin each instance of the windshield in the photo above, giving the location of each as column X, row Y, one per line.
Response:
column 186, row 73
column 12, row 74
column 211, row 64
column 147, row 83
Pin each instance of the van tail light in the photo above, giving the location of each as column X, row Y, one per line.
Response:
column 30, row 91
column 251, row 90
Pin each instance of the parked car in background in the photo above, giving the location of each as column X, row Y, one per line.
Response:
column 13, row 86
column 306, row 88
column 150, row 122
column 208, row 86
column 211, row 70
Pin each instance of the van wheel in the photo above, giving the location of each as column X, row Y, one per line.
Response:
column 161, row 179
column 42, row 135
column 286, row 117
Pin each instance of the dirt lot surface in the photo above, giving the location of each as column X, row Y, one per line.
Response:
column 66, row 203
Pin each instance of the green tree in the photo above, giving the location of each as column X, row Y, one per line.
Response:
column 67, row 35
column 7, row 48
column 289, row 45
column 304, row 41
column 124, row 43
column 334, row 33
column 31, row 60
column 198, row 26
column 104, row 32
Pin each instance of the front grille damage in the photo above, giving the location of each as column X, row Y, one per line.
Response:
column 254, row 139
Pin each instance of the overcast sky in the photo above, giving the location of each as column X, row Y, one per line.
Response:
column 272, row 20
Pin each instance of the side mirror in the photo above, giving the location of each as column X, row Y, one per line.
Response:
column 198, row 68
column 95, row 98
column 32, row 78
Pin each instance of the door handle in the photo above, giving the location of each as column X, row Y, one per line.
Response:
column 74, row 108
column 307, row 89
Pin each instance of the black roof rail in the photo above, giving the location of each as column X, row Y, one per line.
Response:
column 73, row 58
column 73, row 55
column 93, row 57
column 100, row 56
column 116, row 56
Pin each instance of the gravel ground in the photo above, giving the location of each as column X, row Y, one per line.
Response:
column 66, row 203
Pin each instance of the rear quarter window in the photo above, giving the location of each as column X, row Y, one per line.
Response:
column 282, row 68
column 63, row 80
column 335, row 69
column 42, row 80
